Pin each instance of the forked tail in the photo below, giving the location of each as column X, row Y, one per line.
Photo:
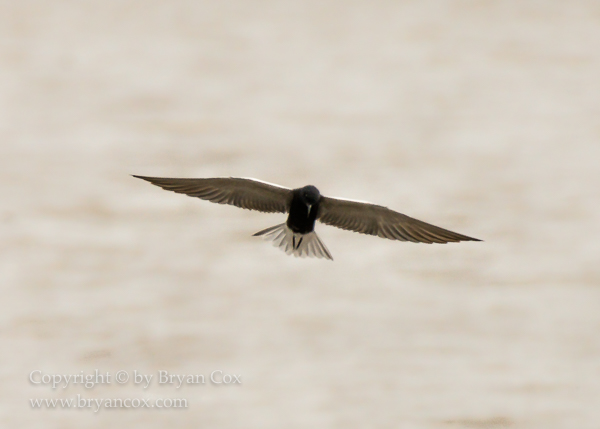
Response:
column 296, row 244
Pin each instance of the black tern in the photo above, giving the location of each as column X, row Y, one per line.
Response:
column 304, row 206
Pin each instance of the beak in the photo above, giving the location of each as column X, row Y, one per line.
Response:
column 309, row 207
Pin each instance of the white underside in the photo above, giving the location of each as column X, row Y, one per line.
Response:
column 293, row 243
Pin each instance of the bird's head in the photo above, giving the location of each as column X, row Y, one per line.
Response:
column 310, row 195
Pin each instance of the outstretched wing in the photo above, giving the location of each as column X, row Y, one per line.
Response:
column 249, row 194
column 372, row 219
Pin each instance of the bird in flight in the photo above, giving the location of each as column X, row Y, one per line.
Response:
column 304, row 206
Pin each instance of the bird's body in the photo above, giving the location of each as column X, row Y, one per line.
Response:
column 297, row 235
column 304, row 207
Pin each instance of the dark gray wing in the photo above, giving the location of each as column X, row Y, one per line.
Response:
column 372, row 219
column 244, row 193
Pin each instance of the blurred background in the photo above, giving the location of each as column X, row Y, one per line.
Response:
column 480, row 117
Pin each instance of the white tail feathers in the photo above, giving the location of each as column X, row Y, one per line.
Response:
column 296, row 244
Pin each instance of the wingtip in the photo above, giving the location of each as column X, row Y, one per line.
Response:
column 146, row 178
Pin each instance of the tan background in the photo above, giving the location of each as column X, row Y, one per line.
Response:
column 482, row 117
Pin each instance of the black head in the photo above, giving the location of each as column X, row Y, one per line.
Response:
column 310, row 194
